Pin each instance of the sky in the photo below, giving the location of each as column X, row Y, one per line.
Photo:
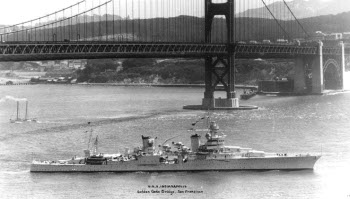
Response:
column 17, row 11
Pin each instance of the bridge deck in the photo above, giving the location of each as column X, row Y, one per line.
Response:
column 31, row 51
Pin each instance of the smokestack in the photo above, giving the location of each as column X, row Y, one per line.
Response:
column 195, row 142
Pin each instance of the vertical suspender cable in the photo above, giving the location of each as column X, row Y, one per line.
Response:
column 163, row 22
column 244, row 21
column 168, row 20
column 175, row 22
column 64, row 26
column 186, row 17
column 70, row 23
column 48, row 23
column 280, row 18
column 191, row 18
column 145, row 20
column 151, row 20
column 85, row 24
column 191, row 13
column 61, row 29
column 77, row 23
column 235, row 21
column 132, row 18
column 120, row 21
column 113, row 25
column 139, row 23
column 56, row 28
column 172, row 21
column 156, row 33
column 126, row 22
column 99, row 21
column 239, row 19
column 106, row 22
column 34, row 32
column 39, row 30
column 249, row 21
column 92, row 23
column 182, row 25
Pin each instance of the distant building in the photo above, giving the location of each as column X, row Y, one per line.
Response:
column 77, row 64
column 334, row 36
column 65, row 64
column 317, row 36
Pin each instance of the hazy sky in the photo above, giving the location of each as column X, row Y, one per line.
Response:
column 16, row 11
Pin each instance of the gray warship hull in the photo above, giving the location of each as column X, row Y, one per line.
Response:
column 245, row 163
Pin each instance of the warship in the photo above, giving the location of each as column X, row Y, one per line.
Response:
column 213, row 155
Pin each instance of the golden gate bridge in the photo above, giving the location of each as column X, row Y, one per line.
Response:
column 218, row 31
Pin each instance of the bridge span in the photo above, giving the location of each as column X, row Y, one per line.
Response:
column 218, row 31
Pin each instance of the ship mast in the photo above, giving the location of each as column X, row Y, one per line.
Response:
column 96, row 144
column 17, row 110
column 26, row 115
column 89, row 137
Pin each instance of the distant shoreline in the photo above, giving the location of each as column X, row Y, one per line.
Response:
column 134, row 84
column 164, row 85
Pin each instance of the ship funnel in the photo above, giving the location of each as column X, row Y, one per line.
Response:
column 149, row 144
column 195, row 142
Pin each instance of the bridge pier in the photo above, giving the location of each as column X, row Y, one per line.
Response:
column 220, row 69
column 319, row 65
column 345, row 75
column 300, row 86
column 223, row 70
column 317, row 71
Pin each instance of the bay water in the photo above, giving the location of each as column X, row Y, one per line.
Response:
column 120, row 115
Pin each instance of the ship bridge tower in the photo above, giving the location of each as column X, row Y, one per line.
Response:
column 213, row 139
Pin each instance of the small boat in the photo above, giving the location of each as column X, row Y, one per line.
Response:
column 25, row 119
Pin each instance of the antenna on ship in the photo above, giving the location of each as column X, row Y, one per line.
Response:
column 96, row 145
column 88, row 146
column 26, row 115
column 87, row 151
column 17, row 118
column 169, row 139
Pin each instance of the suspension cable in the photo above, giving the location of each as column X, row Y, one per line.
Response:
column 276, row 19
column 296, row 18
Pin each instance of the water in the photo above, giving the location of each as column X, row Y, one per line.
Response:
column 120, row 115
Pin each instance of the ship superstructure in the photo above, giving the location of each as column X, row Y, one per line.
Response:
column 213, row 155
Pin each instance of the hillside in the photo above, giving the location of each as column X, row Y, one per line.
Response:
column 177, row 71
column 302, row 9
column 185, row 28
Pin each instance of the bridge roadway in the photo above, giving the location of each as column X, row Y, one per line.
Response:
column 35, row 51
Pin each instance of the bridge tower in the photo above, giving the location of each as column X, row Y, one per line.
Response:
column 220, row 69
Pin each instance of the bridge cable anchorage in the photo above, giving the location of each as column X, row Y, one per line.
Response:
column 276, row 20
column 296, row 18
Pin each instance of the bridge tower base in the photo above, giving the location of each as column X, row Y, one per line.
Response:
column 317, row 72
column 220, row 70
column 300, row 84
